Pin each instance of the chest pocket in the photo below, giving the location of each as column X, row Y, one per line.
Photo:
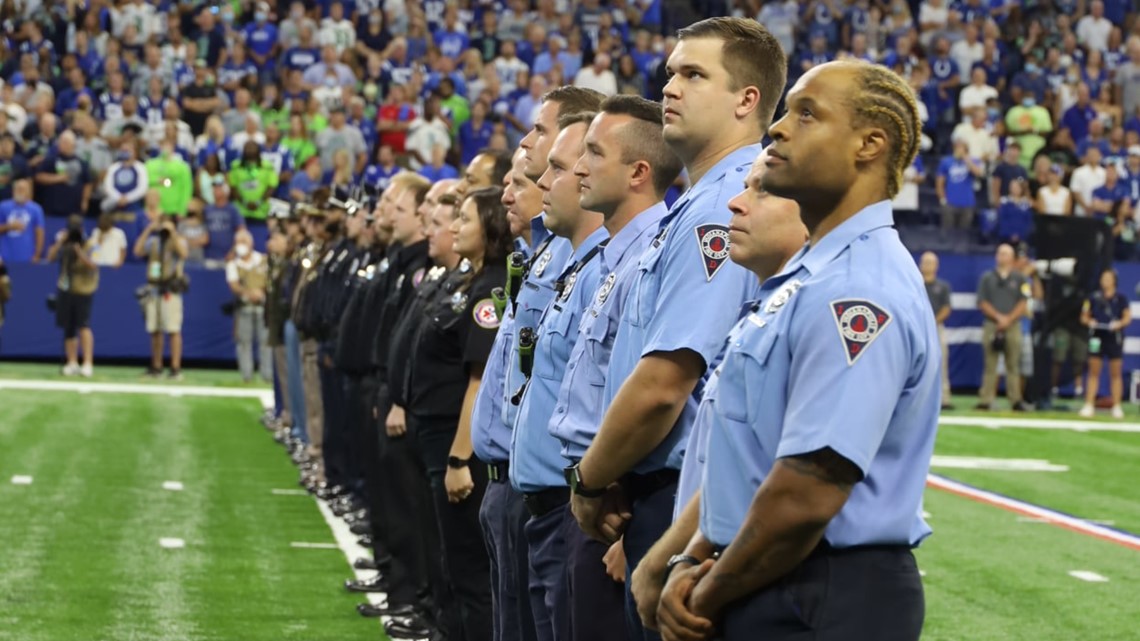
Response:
column 554, row 342
column 647, row 284
column 597, row 335
column 746, row 378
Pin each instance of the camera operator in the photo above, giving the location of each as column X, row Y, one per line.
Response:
column 165, row 251
column 248, row 276
column 78, row 280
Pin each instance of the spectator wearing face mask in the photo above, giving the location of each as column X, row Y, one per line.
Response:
column 247, row 275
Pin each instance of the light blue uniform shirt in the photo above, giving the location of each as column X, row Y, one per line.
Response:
column 493, row 414
column 536, row 459
column 578, row 410
column 686, row 294
column 841, row 353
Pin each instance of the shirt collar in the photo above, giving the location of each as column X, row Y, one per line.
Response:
column 592, row 241
column 538, row 232
column 616, row 248
column 743, row 156
column 815, row 258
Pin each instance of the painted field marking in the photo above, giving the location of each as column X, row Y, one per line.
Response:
column 998, row 464
column 20, row 479
column 266, row 396
column 925, row 514
column 996, row 422
column 172, row 544
column 173, row 486
column 1085, row 575
column 1022, row 508
column 281, row 492
column 1035, row 519
column 314, row 546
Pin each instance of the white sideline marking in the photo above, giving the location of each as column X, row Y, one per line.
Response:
column 1038, row 424
column 922, row 573
column 1028, row 509
column 173, row 486
column 20, row 479
column 266, row 396
column 1085, row 575
column 314, row 546
column 280, row 492
column 172, row 544
column 1034, row 519
column 1000, row 464
column 925, row 514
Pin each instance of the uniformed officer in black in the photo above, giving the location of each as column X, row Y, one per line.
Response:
column 449, row 350
column 435, row 612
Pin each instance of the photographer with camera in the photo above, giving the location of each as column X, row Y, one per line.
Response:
column 165, row 251
column 78, row 280
column 248, row 276
column 1003, row 295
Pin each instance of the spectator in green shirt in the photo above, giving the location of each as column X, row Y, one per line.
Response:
column 171, row 177
column 453, row 104
column 1029, row 123
column 253, row 181
column 298, row 141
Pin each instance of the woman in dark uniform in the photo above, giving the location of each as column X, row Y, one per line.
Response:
column 1106, row 314
column 449, row 349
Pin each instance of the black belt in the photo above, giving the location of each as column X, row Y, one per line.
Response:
column 540, row 504
column 824, row 549
column 498, row 472
column 638, row 486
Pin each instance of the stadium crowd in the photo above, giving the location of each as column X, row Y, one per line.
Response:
column 443, row 188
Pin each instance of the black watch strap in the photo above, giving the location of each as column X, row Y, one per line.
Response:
column 456, row 463
column 574, row 480
column 678, row 559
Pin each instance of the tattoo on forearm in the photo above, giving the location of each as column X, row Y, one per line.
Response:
column 827, row 466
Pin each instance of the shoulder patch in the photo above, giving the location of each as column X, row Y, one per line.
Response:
column 713, row 241
column 485, row 315
column 859, row 322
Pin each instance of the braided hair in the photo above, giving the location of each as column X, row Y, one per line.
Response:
column 884, row 99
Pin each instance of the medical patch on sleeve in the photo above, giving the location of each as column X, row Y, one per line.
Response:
column 713, row 240
column 860, row 322
column 485, row 315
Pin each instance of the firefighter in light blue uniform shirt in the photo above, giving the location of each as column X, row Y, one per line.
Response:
column 539, row 464
column 843, row 326
column 494, row 413
column 580, row 404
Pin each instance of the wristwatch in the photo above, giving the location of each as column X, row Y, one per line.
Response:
column 456, row 463
column 678, row 559
column 574, row 480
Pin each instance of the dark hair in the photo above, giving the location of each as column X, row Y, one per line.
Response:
column 641, row 139
column 572, row 99
column 883, row 99
column 497, row 239
column 751, row 55
column 1115, row 276
column 571, row 119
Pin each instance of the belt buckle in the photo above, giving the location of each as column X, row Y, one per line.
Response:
column 493, row 472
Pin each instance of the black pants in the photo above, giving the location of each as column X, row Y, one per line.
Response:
column 357, row 417
column 404, row 513
column 365, row 452
column 859, row 594
column 466, row 565
column 336, row 443
column 652, row 515
column 503, row 517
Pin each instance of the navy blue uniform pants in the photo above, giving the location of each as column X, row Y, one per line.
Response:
column 652, row 514
column 857, row 594
column 503, row 517
column 595, row 600
column 338, row 469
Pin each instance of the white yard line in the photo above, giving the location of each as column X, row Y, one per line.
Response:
column 1029, row 510
column 998, row 464
column 281, row 492
column 996, row 422
column 173, row 486
column 1091, row 577
column 21, row 479
column 138, row 388
column 314, row 546
column 172, row 544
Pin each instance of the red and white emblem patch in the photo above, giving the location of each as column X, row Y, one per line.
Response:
column 713, row 240
column 860, row 322
column 485, row 315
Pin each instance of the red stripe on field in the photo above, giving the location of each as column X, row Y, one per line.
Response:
column 1022, row 508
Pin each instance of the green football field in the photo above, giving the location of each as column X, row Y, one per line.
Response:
column 148, row 512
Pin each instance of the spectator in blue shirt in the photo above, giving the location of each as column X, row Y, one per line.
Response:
column 261, row 39
column 13, row 165
column 307, row 181
column 1015, row 214
column 1078, row 117
column 222, row 221
column 475, row 134
column 21, row 226
column 378, row 175
column 1006, row 171
column 438, row 169
column 956, row 175
column 451, row 38
column 817, row 54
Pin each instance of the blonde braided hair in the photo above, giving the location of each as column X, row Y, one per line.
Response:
column 884, row 99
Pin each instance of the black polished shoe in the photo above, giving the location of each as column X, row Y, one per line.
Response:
column 365, row 541
column 378, row 583
column 328, row 492
column 361, row 528
column 364, row 563
column 373, row 610
column 409, row 628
